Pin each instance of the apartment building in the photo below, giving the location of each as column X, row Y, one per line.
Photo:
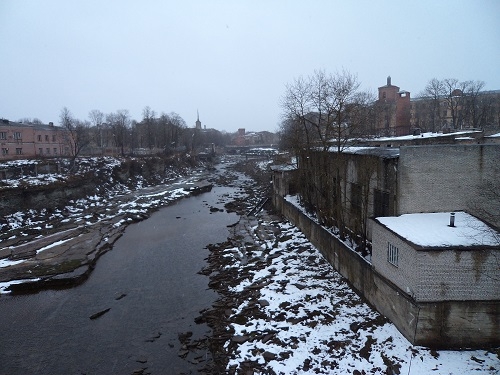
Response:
column 19, row 141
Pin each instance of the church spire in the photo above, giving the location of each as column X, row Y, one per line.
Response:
column 198, row 122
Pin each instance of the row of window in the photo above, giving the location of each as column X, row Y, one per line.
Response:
column 46, row 137
column 5, row 151
column 17, row 135
column 3, row 135
column 47, row 151
column 19, row 151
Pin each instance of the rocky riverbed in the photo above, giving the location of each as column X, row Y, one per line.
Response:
column 53, row 247
column 282, row 309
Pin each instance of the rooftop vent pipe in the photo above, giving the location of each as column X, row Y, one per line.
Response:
column 452, row 219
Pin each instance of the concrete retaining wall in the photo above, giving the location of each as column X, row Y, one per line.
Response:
column 450, row 324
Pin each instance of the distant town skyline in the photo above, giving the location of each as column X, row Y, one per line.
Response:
column 229, row 60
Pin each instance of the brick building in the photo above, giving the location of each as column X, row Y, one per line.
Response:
column 19, row 141
column 390, row 181
column 443, row 294
column 430, row 260
column 393, row 110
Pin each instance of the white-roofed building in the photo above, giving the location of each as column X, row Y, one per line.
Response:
column 438, row 256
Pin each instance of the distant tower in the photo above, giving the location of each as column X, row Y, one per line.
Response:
column 394, row 107
column 198, row 122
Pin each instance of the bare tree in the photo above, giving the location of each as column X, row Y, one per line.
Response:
column 77, row 135
column 291, row 136
column 474, row 108
column 148, row 123
column 432, row 94
column 324, row 113
column 67, row 121
column 327, row 107
column 119, row 123
column 96, row 118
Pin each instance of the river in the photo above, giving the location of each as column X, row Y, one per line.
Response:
column 149, row 283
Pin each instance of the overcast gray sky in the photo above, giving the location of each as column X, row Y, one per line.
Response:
column 229, row 59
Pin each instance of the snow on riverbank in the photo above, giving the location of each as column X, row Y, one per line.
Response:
column 110, row 202
column 309, row 321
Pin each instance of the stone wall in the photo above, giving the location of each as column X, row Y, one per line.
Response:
column 449, row 324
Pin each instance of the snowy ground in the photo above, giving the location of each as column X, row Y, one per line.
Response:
column 112, row 197
column 307, row 320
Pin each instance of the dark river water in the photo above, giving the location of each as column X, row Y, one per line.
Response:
column 154, row 264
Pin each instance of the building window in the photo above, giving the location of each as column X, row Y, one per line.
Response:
column 3, row 135
column 48, row 151
column 380, row 203
column 392, row 254
column 40, row 151
column 39, row 138
column 55, row 151
column 53, row 137
column 19, row 151
column 17, row 135
column 46, row 138
column 5, row 151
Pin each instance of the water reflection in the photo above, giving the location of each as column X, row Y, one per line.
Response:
column 150, row 285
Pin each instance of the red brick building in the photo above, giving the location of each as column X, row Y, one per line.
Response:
column 393, row 109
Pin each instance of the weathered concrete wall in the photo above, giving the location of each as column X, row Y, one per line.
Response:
column 458, row 324
column 450, row 324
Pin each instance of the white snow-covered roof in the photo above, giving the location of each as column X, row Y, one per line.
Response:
column 283, row 167
column 423, row 135
column 387, row 152
column 433, row 230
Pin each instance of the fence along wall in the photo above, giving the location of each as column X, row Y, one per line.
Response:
column 443, row 325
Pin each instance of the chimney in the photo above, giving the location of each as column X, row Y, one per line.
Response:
column 452, row 220
column 389, row 81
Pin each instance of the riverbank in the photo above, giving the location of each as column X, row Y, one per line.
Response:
column 67, row 257
column 283, row 309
